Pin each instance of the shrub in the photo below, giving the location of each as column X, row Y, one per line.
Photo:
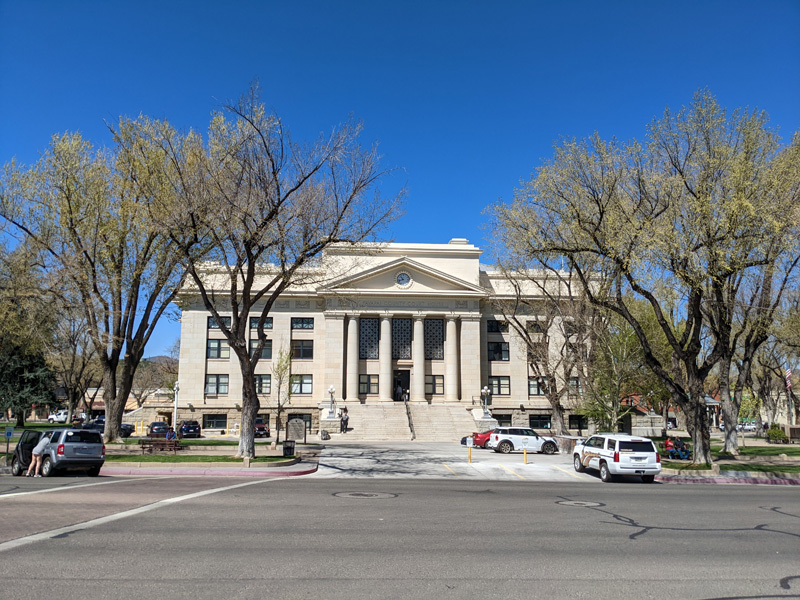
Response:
column 776, row 435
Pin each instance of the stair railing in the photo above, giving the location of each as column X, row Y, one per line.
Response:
column 410, row 420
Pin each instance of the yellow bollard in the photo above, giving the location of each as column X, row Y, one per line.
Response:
column 525, row 455
column 469, row 454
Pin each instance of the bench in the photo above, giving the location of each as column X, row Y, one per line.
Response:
column 159, row 444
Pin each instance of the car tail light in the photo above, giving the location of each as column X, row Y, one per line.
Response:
column 104, row 450
column 658, row 457
column 616, row 456
column 60, row 450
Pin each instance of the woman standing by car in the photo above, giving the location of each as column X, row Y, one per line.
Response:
column 35, row 468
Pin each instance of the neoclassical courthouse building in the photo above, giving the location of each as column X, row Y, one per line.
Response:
column 418, row 317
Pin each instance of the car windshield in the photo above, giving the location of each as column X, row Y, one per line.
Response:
column 636, row 447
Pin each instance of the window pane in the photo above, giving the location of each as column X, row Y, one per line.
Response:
column 254, row 323
column 266, row 351
column 263, row 384
column 369, row 335
column 401, row 339
column 302, row 322
column 498, row 351
column 212, row 323
column 493, row 326
column 222, row 384
column 433, row 330
column 302, row 349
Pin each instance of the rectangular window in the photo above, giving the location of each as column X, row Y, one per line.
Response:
column 367, row 384
column 578, row 422
column 369, row 335
column 216, row 384
column 401, row 339
column 218, row 349
column 266, row 351
column 574, row 386
column 302, row 349
column 537, row 386
column 215, row 421
column 500, row 386
column 263, row 384
column 503, row 420
column 433, row 334
column 434, row 384
column 539, row 421
column 212, row 322
column 302, row 322
column 254, row 323
column 498, row 351
column 301, row 384
column 494, row 326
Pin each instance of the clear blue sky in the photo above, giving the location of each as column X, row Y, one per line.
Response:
column 465, row 98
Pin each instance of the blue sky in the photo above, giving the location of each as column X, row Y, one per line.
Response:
column 465, row 98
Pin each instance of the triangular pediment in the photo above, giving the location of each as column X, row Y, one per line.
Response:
column 403, row 276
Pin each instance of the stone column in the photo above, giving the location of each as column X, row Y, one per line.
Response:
column 385, row 360
column 451, row 361
column 418, row 357
column 351, row 382
column 470, row 358
column 334, row 354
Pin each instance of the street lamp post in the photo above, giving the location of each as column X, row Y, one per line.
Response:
column 486, row 392
column 331, row 391
column 175, row 407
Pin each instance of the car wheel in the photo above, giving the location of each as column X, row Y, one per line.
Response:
column 51, row 421
column 648, row 478
column 578, row 464
column 505, row 447
column 549, row 448
column 605, row 474
column 93, row 472
column 47, row 467
column 16, row 467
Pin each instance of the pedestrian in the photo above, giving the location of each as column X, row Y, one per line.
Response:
column 683, row 451
column 669, row 446
column 398, row 392
column 35, row 468
column 345, row 420
column 171, row 434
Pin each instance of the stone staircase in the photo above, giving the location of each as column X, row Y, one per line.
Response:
column 389, row 422
column 441, row 422
column 375, row 422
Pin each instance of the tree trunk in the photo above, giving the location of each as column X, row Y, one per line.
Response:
column 730, row 409
column 697, row 423
column 558, row 415
column 250, row 408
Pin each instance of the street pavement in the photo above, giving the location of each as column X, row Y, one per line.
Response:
column 379, row 537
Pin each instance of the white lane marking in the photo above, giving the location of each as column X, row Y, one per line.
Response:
column 72, row 487
column 47, row 535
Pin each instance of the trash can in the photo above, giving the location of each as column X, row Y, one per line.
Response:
column 288, row 448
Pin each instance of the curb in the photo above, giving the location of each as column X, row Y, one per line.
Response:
column 208, row 472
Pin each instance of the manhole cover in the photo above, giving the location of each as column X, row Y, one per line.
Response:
column 366, row 495
column 580, row 503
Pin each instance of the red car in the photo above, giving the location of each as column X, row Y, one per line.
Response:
column 480, row 439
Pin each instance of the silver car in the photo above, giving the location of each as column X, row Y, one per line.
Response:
column 67, row 450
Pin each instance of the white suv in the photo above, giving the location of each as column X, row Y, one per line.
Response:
column 509, row 439
column 618, row 454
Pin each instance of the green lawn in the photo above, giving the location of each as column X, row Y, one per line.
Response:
column 178, row 458
column 771, row 450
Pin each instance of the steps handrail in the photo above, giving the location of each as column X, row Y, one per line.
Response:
column 410, row 420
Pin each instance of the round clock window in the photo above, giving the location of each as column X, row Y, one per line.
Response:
column 403, row 279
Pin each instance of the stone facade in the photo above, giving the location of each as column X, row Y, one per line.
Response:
column 410, row 314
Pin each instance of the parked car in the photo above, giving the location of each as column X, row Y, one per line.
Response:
column 125, row 429
column 67, row 450
column 481, row 439
column 618, row 454
column 158, row 429
column 746, row 427
column 261, row 427
column 511, row 439
column 189, row 429
column 60, row 416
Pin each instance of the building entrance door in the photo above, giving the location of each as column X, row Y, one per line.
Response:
column 401, row 383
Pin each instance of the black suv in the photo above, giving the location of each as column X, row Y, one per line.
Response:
column 189, row 429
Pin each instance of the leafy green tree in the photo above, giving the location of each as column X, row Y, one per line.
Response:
column 669, row 221
column 86, row 213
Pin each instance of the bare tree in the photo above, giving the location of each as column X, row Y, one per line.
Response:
column 255, row 210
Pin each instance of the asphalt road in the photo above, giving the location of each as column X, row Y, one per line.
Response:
column 356, row 537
